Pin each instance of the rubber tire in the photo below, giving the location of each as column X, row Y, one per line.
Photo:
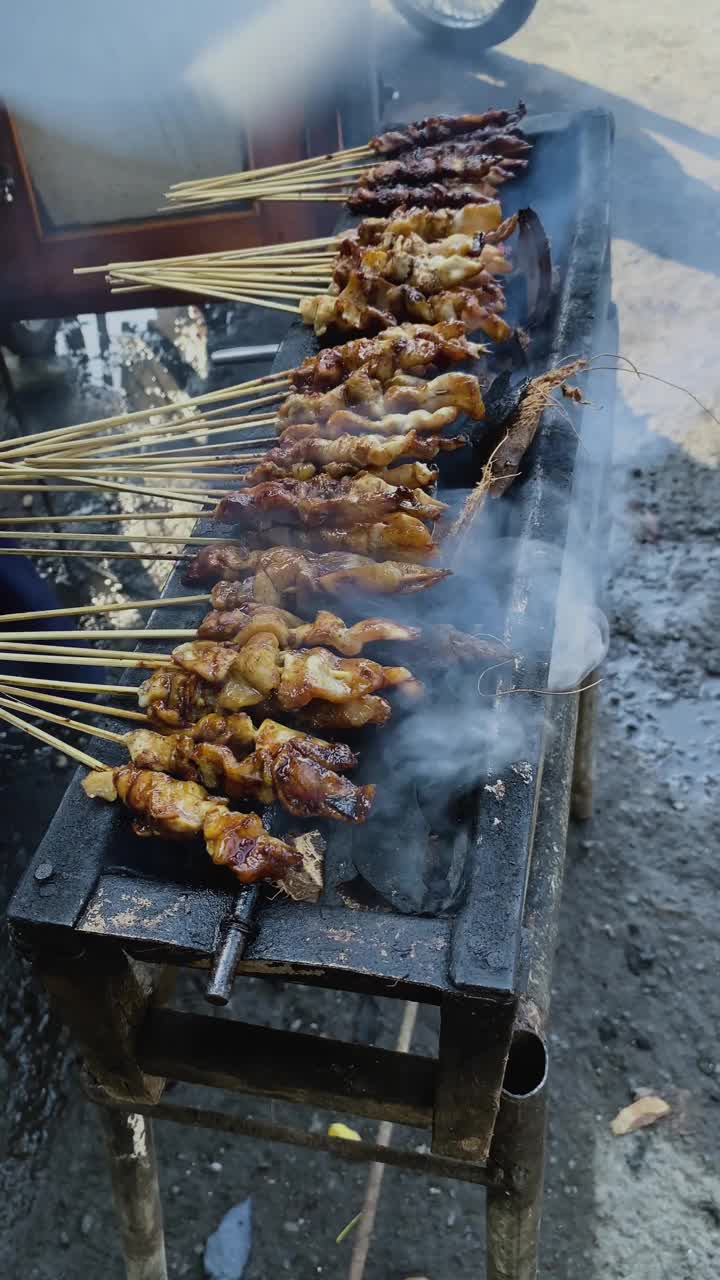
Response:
column 500, row 26
column 25, row 341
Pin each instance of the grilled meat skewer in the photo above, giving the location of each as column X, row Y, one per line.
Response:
column 438, row 129
column 178, row 810
column 396, row 350
column 325, row 501
column 348, row 453
column 302, row 772
column 366, row 398
column 281, row 571
column 239, row 623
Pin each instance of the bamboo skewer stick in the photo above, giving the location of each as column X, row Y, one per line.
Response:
column 96, row 708
column 93, row 731
column 62, row 552
column 25, row 647
column 104, row 424
column 332, row 157
column 47, row 488
column 271, row 250
column 103, row 516
column 152, row 539
column 187, row 286
column 49, row 739
column 200, row 499
column 100, row 633
column 88, row 609
column 72, row 660
column 78, row 686
column 189, row 430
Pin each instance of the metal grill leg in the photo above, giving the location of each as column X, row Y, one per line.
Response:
column 518, row 1147
column 136, row 1192
column 582, row 783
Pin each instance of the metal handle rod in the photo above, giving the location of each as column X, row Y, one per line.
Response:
column 243, row 355
column 237, row 930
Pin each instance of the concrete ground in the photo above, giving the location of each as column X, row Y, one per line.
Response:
column 635, row 1002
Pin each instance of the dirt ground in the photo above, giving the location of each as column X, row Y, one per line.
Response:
column 635, row 999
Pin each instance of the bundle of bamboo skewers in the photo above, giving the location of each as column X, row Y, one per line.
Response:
column 276, row 275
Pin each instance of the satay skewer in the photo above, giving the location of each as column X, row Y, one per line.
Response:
column 115, row 607
column 76, row 686
column 93, row 554
column 274, row 380
column 49, row 739
column 39, row 713
column 184, row 810
column 77, row 704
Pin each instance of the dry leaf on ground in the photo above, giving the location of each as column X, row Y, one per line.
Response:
column 642, row 1112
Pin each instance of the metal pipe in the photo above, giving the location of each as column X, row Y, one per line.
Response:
column 513, row 1213
column 243, row 355
column 235, row 937
column 518, row 1146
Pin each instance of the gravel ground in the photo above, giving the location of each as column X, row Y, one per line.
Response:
column 635, row 1002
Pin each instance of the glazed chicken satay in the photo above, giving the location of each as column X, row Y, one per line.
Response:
column 234, row 618
column 368, row 400
column 249, row 673
column 438, row 129
column 370, row 302
column 327, row 629
column 435, row 195
column 469, row 161
column 399, row 349
column 300, row 771
column 431, row 225
column 278, row 572
column 323, row 500
column 351, row 422
column 176, row 810
column 403, row 536
column 356, row 453
column 173, row 699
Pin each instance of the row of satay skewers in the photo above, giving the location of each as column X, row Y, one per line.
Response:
column 249, row 652
column 417, row 265
column 354, row 431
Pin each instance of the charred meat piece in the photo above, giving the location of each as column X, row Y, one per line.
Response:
column 436, row 195
column 347, row 421
column 371, row 299
column 327, row 629
column 282, row 571
column 408, row 346
column 308, row 790
column 462, row 161
column 174, row 698
column 403, row 536
column 309, row 674
column 356, row 453
column 437, row 129
column 355, row 714
column 431, row 225
column 362, row 499
column 183, row 810
column 240, row 842
column 164, row 806
column 403, row 394
column 300, row 771
column 271, row 736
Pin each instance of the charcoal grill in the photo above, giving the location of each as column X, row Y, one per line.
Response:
column 96, row 907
